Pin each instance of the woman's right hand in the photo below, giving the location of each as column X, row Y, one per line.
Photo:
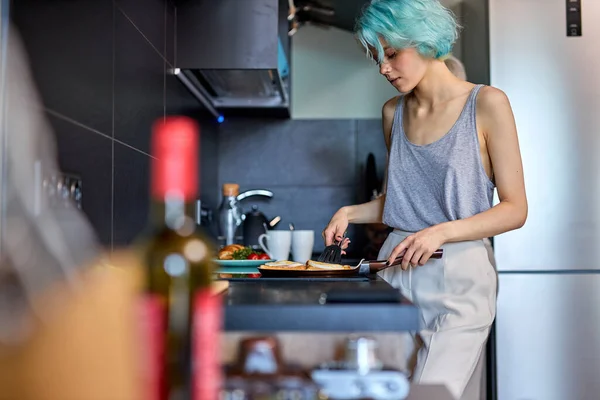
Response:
column 335, row 230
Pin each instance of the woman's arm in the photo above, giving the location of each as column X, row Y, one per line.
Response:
column 387, row 119
column 498, row 124
column 366, row 213
column 389, row 109
column 358, row 214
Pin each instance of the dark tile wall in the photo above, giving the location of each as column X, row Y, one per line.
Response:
column 100, row 67
column 313, row 167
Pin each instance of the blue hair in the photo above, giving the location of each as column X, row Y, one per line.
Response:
column 425, row 25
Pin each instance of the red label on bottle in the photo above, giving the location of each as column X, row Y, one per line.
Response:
column 152, row 318
column 206, row 363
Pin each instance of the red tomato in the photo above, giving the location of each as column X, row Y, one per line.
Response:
column 252, row 256
column 264, row 256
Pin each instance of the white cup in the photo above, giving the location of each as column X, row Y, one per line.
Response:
column 279, row 244
column 302, row 245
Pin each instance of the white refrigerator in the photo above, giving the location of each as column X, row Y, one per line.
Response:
column 548, row 319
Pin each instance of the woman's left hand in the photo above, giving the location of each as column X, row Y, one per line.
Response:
column 418, row 247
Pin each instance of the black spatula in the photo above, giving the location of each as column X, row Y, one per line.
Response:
column 332, row 253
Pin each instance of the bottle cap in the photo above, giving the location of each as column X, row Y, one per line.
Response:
column 231, row 189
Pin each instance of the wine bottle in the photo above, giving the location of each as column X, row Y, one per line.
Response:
column 181, row 318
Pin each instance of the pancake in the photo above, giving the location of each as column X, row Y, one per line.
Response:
column 316, row 265
column 284, row 265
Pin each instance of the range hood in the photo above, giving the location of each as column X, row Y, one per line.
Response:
column 232, row 55
column 339, row 14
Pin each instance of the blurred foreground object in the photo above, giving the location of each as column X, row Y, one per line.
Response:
column 86, row 348
column 41, row 244
column 180, row 316
column 65, row 326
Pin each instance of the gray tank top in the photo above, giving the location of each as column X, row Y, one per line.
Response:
column 438, row 182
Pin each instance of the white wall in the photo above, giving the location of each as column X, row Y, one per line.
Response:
column 332, row 78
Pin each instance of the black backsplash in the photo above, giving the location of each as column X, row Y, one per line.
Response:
column 313, row 167
column 100, row 67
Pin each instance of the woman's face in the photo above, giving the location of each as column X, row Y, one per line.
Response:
column 404, row 68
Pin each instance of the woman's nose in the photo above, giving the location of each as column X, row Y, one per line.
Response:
column 384, row 68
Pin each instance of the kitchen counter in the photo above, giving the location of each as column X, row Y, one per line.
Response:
column 319, row 304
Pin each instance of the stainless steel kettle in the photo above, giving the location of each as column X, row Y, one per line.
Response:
column 253, row 223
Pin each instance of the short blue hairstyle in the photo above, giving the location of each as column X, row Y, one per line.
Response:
column 425, row 25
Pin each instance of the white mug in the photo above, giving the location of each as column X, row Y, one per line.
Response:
column 280, row 243
column 302, row 245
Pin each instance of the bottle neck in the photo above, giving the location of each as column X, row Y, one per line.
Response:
column 228, row 200
column 174, row 213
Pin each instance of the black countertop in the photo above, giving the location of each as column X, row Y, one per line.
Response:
column 321, row 304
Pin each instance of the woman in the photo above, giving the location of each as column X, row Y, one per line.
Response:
column 450, row 144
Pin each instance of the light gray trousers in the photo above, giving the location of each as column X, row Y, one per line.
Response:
column 456, row 297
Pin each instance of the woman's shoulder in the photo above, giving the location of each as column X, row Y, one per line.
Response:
column 389, row 107
column 493, row 109
column 387, row 114
column 391, row 103
column 490, row 97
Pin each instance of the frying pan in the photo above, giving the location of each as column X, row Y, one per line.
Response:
column 364, row 267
